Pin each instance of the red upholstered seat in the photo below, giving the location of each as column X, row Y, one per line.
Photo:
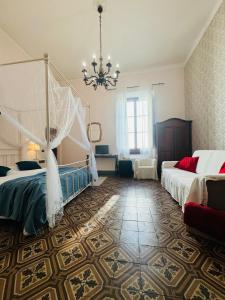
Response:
column 205, row 219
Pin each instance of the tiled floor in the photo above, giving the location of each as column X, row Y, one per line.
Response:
column 122, row 240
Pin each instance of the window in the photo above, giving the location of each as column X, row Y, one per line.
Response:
column 137, row 124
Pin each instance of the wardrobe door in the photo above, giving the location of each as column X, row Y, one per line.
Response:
column 182, row 146
column 166, row 143
column 173, row 140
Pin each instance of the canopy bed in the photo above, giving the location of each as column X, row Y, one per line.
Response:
column 35, row 98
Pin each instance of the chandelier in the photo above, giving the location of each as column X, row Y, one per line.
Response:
column 101, row 75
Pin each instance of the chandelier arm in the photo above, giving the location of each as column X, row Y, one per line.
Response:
column 94, row 65
column 90, row 77
column 89, row 83
column 111, row 78
column 107, row 72
column 117, row 76
column 111, row 83
column 84, row 71
column 90, row 80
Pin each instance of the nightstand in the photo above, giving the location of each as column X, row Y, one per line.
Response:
column 42, row 163
column 125, row 168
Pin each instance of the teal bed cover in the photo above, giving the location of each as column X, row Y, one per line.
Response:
column 23, row 199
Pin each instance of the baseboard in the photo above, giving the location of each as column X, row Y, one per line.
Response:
column 199, row 233
column 107, row 173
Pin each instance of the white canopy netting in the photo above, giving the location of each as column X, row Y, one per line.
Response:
column 35, row 101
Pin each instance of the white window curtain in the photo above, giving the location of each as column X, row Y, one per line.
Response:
column 121, row 125
column 145, row 111
column 23, row 104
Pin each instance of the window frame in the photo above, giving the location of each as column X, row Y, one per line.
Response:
column 134, row 150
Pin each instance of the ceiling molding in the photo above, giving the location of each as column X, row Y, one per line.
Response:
column 155, row 68
column 208, row 22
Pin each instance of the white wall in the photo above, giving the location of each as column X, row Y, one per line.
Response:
column 9, row 51
column 169, row 103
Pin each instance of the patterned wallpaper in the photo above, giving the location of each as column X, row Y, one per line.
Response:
column 205, row 87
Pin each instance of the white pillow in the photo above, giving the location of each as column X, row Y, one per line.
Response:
column 12, row 170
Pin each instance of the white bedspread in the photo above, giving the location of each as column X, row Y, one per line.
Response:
column 16, row 174
column 178, row 183
column 187, row 186
column 198, row 192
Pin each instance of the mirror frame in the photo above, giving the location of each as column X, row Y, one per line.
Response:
column 89, row 132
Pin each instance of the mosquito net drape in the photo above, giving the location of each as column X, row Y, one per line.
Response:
column 23, row 104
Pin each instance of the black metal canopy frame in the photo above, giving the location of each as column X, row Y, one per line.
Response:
column 101, row 77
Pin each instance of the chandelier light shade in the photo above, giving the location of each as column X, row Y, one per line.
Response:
column 102, row 74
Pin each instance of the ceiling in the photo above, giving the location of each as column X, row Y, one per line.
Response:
column 139, row 34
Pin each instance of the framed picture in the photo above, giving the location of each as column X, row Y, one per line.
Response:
column 94, row 132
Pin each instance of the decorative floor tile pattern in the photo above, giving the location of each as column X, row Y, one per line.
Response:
column 32, row 275
column 124, row 239
column 46, row 294
column 185, row 251
column 4, row 261
column 115, row 262
column 70, row 256
column 141, row 287
column 62, row 237
column 31, row 251
column 166, row 269
column 85, row 282
column 215, row 270
column 2, row 288
column 200, row 289
column 99, row 241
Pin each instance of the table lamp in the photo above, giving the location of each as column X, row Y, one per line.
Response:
column 35, row 148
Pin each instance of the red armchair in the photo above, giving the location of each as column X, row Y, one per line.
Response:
column 205, row 219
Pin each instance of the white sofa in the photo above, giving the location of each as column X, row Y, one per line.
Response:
column 187, row 186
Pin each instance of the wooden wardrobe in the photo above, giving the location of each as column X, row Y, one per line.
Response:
column 173, row 140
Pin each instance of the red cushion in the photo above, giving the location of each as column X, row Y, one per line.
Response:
column 208, row 220
column 222, row 170
column 188, row 164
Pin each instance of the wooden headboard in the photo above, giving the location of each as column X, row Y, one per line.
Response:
column 8, row 157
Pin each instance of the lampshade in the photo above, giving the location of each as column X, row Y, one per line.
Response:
column 33, row 147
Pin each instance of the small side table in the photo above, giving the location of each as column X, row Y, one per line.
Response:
column 42, row 163
column 125, row 168
column 107, row 156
